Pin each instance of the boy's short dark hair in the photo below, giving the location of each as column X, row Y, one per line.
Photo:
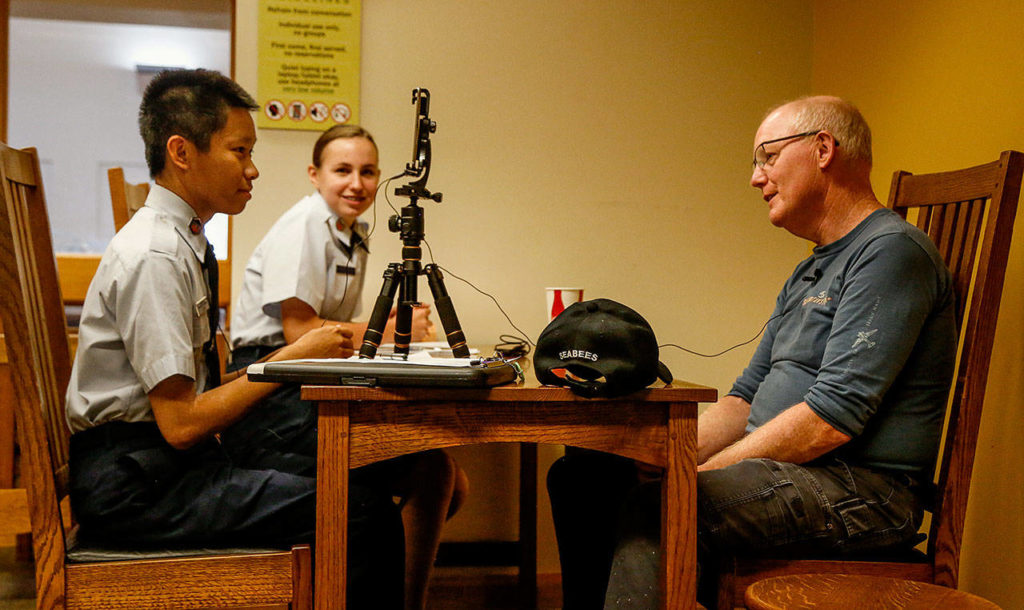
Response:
column 191, row 103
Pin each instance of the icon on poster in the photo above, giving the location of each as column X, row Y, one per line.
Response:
column 296, row 111
column 274, row 110
column 318, row 112
column 341, row 113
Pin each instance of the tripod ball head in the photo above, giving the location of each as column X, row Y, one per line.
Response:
column 409, row 225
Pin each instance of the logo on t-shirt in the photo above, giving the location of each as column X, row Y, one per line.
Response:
column 821, row 299
column 865, row 338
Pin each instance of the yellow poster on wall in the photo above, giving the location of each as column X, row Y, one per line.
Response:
column 308, row 63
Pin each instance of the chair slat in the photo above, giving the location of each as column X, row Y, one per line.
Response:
column 965, row 271
column 959, row 241
column 946, row 237
column 924, row 216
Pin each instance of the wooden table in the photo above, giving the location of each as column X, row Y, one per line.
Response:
column 359, row 426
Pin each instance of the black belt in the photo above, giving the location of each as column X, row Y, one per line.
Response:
column 129, row 435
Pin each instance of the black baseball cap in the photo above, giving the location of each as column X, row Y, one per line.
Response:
column 602, row 348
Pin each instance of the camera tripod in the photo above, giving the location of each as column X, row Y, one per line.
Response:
column 402, row 278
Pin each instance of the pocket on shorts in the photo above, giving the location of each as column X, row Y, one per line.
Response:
column 872, row 525
column 858, row 518
column 762, row 505
column 797, row 515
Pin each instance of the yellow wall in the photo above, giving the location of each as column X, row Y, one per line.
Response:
column 942, row 86
column 589, row 143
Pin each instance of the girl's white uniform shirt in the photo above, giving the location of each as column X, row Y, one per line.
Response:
column 305, row 256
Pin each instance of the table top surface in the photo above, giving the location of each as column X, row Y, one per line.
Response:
column 527, row 389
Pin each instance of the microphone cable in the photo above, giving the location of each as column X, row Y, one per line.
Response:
column 811, row 278
column 523, row 340
column 727, row 350
column 373, row 227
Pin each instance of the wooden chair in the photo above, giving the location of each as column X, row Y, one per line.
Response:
column 842, row 591
column 70, row 575
column 125, row 198
column 969, row 214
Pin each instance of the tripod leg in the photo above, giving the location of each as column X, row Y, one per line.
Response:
column 446, row 311
column 381, row 310
column 403, row 322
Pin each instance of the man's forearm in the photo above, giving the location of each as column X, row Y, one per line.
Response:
column 796, row 435
column 722, row 424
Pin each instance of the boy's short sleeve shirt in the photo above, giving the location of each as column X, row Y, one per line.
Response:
column 144, row 318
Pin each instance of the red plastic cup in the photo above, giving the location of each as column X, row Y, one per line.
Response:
column 560, row 298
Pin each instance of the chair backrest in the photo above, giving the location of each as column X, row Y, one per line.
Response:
column 125, row 198
column 969, row 214
column 37, row 348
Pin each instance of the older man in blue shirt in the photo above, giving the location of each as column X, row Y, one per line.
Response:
column 825, row 440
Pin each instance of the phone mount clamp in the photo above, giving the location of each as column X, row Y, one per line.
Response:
column 402, row 278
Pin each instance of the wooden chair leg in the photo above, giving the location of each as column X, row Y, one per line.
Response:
column 302, row 576
column 726, row 594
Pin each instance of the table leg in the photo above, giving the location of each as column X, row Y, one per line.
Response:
column 528, row 524
column 678, row 513
column 330, row 570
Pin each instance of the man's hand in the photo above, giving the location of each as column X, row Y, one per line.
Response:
column 330, row 341
column 797, row 435
column 721, row 425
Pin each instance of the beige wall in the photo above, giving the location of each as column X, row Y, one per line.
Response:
column 587, row 143
column 941, row 84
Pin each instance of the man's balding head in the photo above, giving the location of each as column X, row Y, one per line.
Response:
column 834, row 115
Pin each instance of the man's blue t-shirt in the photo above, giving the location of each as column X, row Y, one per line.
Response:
column 864, row 332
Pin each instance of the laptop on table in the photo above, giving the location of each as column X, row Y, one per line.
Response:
column 423, row 368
